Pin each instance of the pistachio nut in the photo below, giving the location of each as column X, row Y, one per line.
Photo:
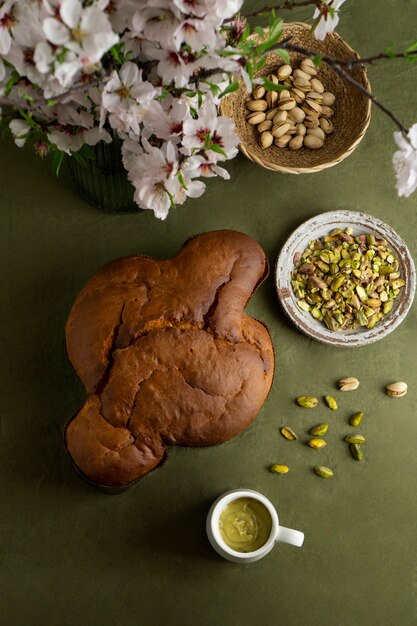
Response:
column 296, row 115
column 311, row 122
column 271, row 99
column 266, row 139
column 313, row 142
column 282, row 141
column 265, row 125
column 324, row 472
column 256, row 118
column 280, row 129
column 326, row 125
column 301, row 129
column 317, row 85
column 287, row 104
column 307, row 65
column 320, row 429
column 308, row 402
column 356, row 451
column 271, row 114
column 279, row 468
column 302, row 83
column 348, row 384
column 317, row 444
column 296, row 142
column 331, row 402
column 356, row 419
column 257, row 105
column 258, row 92
column 284, row 71
column 274, row 79
column 396, row 390
column 318, row 132
column 280, row 116
column 326, row 111
column 358, row 439
column 328, row 98
column 288, row 433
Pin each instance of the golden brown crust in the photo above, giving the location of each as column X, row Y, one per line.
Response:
column 167, row 355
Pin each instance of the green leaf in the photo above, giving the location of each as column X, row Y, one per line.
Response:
column 259, row 31
column 389, row 51
column 57, row 162
column 79, row 158
column 14, row 78
column 51, row 103
column 216, row 148
column 317, row 59
column 232, row 87
column 182, row 181
column 270, row 86
column 214, row 88
column 245, row 34
column 412, row 48
column 259, row 65
column 283, row 54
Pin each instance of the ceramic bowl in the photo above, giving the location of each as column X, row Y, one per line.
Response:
column 317, row 227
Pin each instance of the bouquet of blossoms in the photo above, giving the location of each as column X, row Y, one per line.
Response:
column 152, row 72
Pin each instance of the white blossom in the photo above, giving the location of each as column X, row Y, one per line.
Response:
column 218, row 130
column 70, row 138
column 6, row 25
column 405, row 162
column 20, row 130
column 327, row 23
column 85, row 33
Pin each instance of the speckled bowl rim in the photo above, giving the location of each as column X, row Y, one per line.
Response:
column 318, row 226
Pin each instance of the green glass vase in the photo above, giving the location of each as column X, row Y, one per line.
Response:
column 103, row 181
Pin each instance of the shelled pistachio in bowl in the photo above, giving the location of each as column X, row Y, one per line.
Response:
column 347, row 281
column 345, row 271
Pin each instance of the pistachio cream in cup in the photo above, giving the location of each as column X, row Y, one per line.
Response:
column 243, row 527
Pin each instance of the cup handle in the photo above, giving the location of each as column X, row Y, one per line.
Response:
column 288, row 535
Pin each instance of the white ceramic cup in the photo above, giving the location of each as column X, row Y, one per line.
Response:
column 278, row 533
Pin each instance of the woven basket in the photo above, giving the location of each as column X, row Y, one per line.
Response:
column 352, row 110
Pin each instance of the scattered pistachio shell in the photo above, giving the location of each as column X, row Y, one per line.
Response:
column 356, row 451
column 324, row 472
column 348, row 384
column 359, row 439
column 278, row 468
column 317, row 444
column 288, row 433
column 320, row 429
column 397, row 390
column 331, row 402
column 308, row 402
column 356, row 419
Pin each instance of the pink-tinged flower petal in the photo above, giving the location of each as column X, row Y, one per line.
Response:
column 5, row 41
column 55, row 31
column 94, row 135
column 43, row 57
column 412, row 135
column 2, row 71
column 70, row 12
column 129, row 73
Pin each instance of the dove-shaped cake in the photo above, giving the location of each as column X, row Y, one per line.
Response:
column 167, row 355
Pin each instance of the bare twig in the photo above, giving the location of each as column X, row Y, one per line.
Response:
column 286, row 4
column 336, row 64
column 346, row 76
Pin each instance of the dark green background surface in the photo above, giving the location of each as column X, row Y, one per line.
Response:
column 71, row 555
